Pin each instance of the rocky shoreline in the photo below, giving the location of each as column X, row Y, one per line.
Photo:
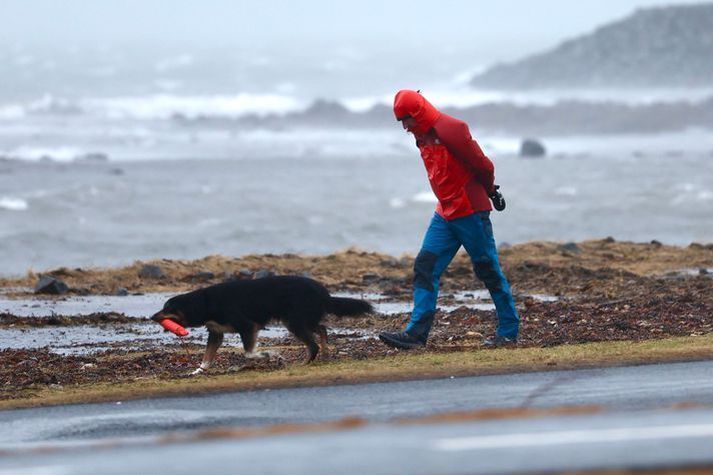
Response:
column 597, row 291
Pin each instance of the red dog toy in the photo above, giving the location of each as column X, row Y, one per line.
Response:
column 173, row 327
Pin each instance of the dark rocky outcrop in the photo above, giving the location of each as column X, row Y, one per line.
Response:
column 50, row 285
column 563, row 118
column 532, row 148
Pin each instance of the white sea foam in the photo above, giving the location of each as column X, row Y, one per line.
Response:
column 424, row 197
column 450, row 95
column 13, row 204
column 12, row 112
column 704, row 195
column 45, row 104
column 397, row 203
column 164, row 106
column 57, row 154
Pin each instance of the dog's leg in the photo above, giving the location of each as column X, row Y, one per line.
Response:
column 249, row 341
column 323, row 340
column 307, row 337
column 214, row 342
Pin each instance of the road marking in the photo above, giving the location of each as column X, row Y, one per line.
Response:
column 573, row 437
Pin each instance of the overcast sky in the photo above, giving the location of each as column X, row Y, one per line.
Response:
column 510, row 27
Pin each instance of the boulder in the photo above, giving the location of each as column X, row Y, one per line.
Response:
column 50, row 285
column 262, row 273
column 151, row 271
column 370, row 278
column 532, row 148
column 570, row 247
column 245, row 273
column 201, row 276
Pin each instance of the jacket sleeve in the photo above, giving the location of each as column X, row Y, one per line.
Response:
column 457, row 139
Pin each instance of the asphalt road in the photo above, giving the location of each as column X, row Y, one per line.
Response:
column 614, row 440
column 639, row 427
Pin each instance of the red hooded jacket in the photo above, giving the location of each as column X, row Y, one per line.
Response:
column 460, row 174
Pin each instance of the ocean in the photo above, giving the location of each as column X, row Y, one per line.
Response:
column 105, row 160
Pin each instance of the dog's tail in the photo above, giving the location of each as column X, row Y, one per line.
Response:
column 341, row 306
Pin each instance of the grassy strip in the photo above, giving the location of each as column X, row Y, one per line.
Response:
column 403, row 366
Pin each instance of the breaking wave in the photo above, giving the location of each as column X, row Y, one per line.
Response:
column 13, row 204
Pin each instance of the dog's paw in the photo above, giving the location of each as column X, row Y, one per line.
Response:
column 197, row 371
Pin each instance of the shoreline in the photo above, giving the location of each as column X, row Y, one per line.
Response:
column 355, row 267
column 579, row 302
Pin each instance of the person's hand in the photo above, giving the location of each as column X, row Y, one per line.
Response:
column 497, row 198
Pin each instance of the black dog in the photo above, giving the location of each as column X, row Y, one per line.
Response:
column 245, row 307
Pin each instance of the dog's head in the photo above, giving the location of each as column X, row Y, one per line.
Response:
column 171, row 311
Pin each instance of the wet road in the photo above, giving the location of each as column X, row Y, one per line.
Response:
column 633, row 398
column 613, row 440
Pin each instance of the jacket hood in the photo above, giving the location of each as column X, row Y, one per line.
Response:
column 412, row 103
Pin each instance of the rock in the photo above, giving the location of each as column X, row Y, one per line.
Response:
column 202, row 276
column 390, row 262
column 50, row 285
column 245, row 273
column 570, row 247
column 151, row 271
column 703, row 271
column 229, row 277
column 121, row 292
column 262, row 273
column 370, row 278
column 532, row 148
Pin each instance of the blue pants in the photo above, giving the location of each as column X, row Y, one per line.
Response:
column 443, row 239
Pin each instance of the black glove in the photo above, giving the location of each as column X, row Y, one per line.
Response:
column 497, row 198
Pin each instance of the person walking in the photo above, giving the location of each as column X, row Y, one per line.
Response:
column 463, row 180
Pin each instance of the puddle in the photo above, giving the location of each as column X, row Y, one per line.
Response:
column 87, row 339
column 544, row 298
column 138, row 306
column 472, row 299
column 692, row 271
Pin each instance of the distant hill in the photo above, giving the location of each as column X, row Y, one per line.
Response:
column 653, row 47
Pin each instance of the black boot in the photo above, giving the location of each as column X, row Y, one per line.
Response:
column 499, row 342
column 402, row 340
